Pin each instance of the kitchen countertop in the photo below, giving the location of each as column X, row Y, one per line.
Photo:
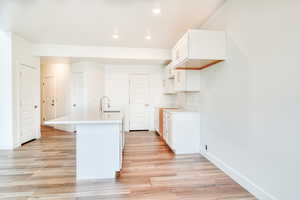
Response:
column 87, row 118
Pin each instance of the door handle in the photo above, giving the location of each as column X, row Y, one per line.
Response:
column 52, row 104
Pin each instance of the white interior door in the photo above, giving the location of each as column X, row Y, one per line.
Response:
column 29, row 87
column 138, row 102
column 77, row 96
column 49, row 109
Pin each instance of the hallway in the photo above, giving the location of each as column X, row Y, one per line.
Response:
column 45, row 169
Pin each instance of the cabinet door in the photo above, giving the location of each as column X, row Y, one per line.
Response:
column 156, row 119
column 169, row 86
column 164, row 126
column 121, row 142
column 165, row 86
column 170, row 71
column 179, row 83
column 171, row 141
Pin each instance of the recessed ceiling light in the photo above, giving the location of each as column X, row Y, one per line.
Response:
column 156, row 11
column 148, row 37
column 115, row 36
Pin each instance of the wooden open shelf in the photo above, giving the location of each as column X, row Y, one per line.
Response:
column 203, row 65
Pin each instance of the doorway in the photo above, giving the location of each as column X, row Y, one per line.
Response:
column 29, row 111
column 49, row 98
column 139, row 102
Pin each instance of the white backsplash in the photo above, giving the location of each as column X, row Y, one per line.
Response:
column 189, row 101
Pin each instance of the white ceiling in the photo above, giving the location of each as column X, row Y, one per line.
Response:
column 92, row 22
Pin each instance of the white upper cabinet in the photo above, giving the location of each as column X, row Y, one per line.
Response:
column 170, row 71
column 169, row 86
column 168, row 83
column 198, row 48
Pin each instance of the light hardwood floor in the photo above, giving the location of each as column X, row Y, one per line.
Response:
column 45, row 169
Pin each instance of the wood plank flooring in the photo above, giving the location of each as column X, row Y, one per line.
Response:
column 45, row 169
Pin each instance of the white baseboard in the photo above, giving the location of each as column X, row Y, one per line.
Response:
column 245, row 182
column 4, row 147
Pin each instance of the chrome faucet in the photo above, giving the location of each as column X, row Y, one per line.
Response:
column 105, row 100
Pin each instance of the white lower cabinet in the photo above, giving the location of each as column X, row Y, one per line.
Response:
column 182, row 131
column 187, row 81
column 156, row 119
column 122, row 143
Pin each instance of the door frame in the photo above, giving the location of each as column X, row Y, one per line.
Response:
column 19, row 141
column 129, row 95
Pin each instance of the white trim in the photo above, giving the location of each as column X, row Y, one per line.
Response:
column 245, row 182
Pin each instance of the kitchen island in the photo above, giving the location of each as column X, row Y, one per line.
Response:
column 99, row 143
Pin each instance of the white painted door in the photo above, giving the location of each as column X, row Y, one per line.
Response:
column 29, row 89
column 77, row 94
column 49, row 109
column 138, row 102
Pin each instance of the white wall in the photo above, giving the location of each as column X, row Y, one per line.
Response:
column 6, row 138
column 94, row 83
column 250, row 104
column 117, row 87
column 188, row 101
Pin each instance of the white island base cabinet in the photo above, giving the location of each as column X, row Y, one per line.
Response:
column 98, row 151
column 99, row 143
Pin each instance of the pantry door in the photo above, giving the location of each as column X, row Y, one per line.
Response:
column 139, row 102
column 49, row 98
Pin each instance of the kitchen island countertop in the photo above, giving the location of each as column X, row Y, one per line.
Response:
column 87, row 118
